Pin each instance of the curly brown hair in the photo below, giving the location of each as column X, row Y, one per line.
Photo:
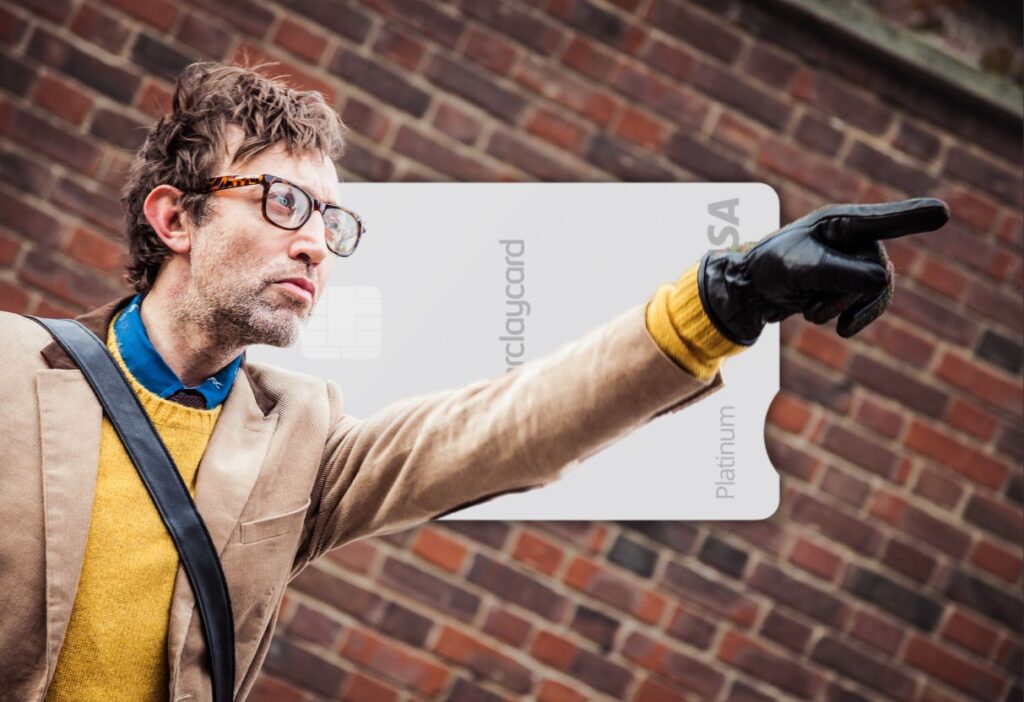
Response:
column 184, row 145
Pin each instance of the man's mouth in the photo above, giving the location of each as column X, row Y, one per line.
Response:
column 302, row 288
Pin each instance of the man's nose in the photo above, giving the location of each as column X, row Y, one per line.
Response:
column 309, row 240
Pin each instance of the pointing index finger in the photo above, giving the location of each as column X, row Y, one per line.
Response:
column 855, row 226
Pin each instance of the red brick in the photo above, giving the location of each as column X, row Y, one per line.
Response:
column 400, row 47
column 745, row 137
column 815, row 559
column 490, row 50
column 899, row 341
column 942, row 533
column 583, row 55
column 877, row 632
column 780, row 670
column 298, row 78
column 996, row 304
column 884, row 421
column 938, row 488
column 9, row 248
column 456, row 123
column 67, row 284
column 593, row 579
column 437, row 548
column 154, row 99
column 54, row 141
column 971, row 418
column 672, row 59
column 907, row 558
column 684, row 670
column 46, row 308
column 823, row 346
column 434, row 154
column 1011, row 227
column 558, row 130
column 972, row 207
column 788, row 412
column 270, row 689
column 362, row 688
column 311, row 625
column 484, row 661
column 13, row 298
column 844, row 486
column 537, row 552
column 651, row 691
column 554, row 691
column 553, row 650
column 637, row 127
column 997, row 560
column 683, row 105
column 100, row 28
column 210, row 37
column 975, row 379
column 836, row 524
column 300, row 40
column 961, row 457
column 357, row 556
column 955, row 670
column 810, row 171
column 971, row 633
column 95, row 250
column 507, row 627
column 945, row 279
column 11, row 26
column 365, row 119
column 558, row 86
column 394, row 662
column 158, row 13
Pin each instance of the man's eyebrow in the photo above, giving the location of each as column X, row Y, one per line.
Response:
column 313, row 192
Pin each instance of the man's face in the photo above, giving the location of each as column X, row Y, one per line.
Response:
column 239, row 262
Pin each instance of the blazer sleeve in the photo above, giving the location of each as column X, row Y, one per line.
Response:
column 426, row 456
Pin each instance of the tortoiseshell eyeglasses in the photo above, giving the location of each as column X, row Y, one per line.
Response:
column 288, row 206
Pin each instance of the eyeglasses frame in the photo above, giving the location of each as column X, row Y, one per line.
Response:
column 227, row 182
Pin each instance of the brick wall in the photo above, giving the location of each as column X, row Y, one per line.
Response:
column 893, row 567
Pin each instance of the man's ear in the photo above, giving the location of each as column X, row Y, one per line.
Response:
column 163, row 212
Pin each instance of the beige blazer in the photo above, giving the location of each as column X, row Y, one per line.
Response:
column 288, row 475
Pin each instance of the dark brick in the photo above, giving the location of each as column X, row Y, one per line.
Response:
column 969, row 246
column 358, row 159
column 19, row 216
column 56, row 142
column 25, row 173
column 1015, row 486
column 854, row 664
column 671, row 59
column 404, row 624
column 714, row 594
column 11, row 27
column 334, row 15
column 516, row 587
column 695, row 29
column 692, row 628
column 684, row 670
column 69, row 285
column 686, row 107
column 835, row 693
column 598, row 627
column 209, row 37
column 703, row 160
column 844, row 486
column 723, row 557
column 600, row 673
column 623, row 162
column 993, row 303
column 1005, row 353
column 885, row 169
column 243, row 15
column 678, row 536
column 861, row 451
column 943, row 320
column 429, row 589
column 96, row 206
column 633, row 556
column 917, row 140
column 15, row 76
column 476, row 88
column 984, row 173
column 605, row 26
column 819, row 135
column 509, row 148
column 493, row 534
column 1001, row 607
column 381, row 82
column 890, row 382
column 836, row 524
column 833, row 97
column 304, row 667
column 441, row 158
column 909, row 560
column 785, row 630
column 312, row 626
column 782, row 671
column 428, row 19
column 341, row 594
column 904, row 603
column 741, row 692
column 516, row 23
column 801, row 596
column 1000, row 519
column 120, row 130
column 100, row 27
column 791, row 460
column 109, row 79
column 818, row 388
column 772, row 67
column 55, row 10
column 733, row 90
column 763, row 534
column 465, row 691
column 159, row 58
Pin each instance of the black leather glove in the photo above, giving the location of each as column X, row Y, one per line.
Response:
column 828, row 262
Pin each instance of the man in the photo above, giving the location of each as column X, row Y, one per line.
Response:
column 235, row 220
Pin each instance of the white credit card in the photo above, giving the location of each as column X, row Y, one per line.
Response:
column 422, row 306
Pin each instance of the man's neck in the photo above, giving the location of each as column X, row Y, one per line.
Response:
column 185, row 346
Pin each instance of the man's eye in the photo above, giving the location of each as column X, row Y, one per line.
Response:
column 284, row 200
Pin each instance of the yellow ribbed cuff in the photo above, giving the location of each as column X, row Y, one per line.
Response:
column 679, row 325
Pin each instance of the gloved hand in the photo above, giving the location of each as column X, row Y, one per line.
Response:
column 828, row 262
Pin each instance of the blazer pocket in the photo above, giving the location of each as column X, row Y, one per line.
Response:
column 269, row 527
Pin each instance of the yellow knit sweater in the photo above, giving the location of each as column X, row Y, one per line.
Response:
column 116, row 643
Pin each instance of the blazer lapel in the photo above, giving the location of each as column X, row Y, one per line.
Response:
column 70, row 419
column 226, row 476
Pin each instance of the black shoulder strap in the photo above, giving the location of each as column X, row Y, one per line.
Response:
column 165, row 486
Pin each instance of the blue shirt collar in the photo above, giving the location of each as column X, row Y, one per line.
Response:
column 149, row 368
